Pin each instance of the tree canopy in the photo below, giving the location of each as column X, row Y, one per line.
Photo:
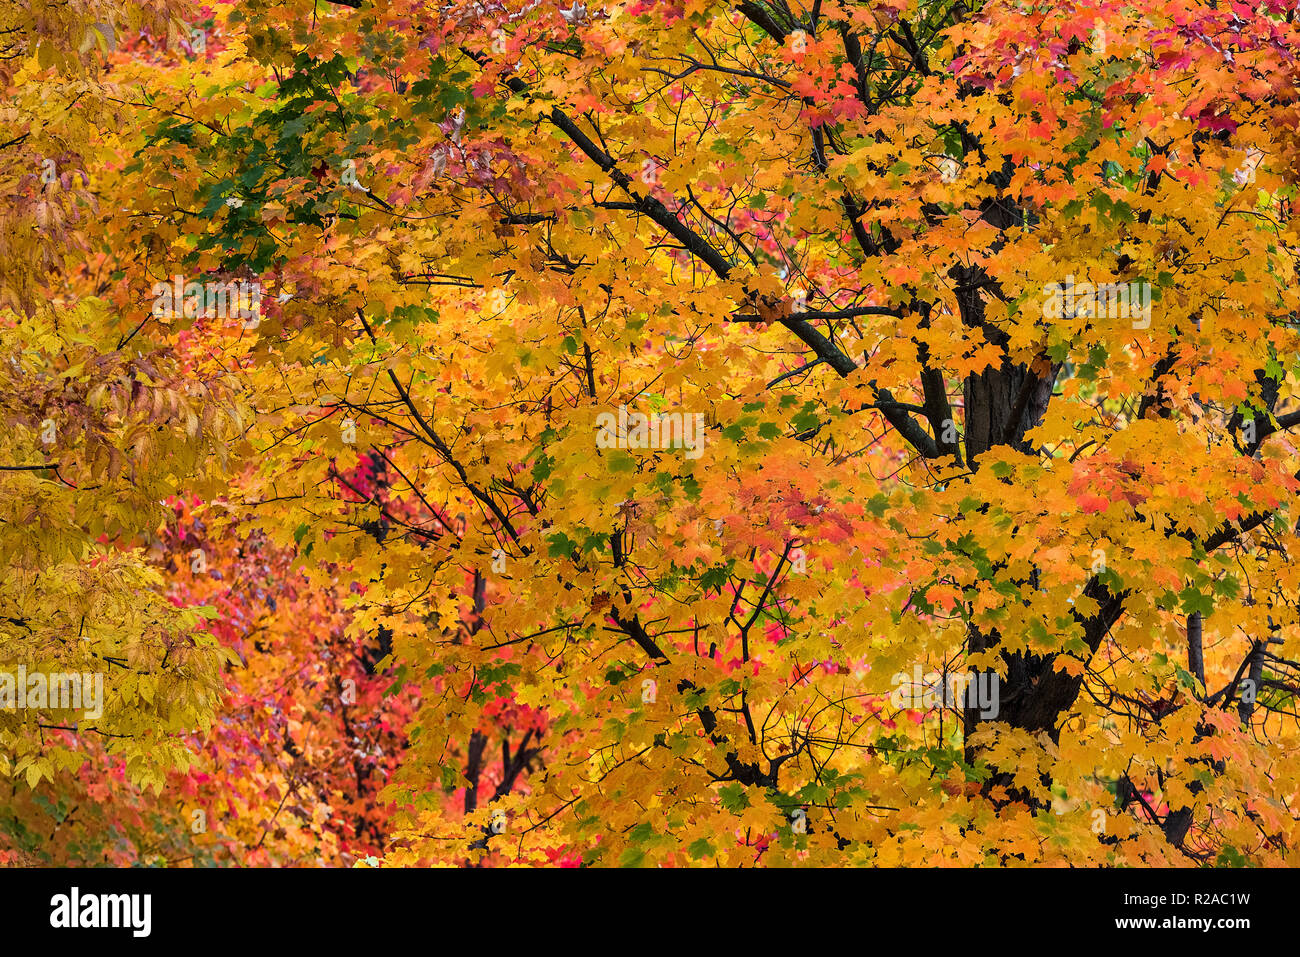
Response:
column 682, row 433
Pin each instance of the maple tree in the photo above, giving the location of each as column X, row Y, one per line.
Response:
column 637, row 392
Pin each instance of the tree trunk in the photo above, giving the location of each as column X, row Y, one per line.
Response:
column 1001, row 406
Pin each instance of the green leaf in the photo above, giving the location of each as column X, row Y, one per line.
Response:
column 560, row 546
column 621, row 461
column 733, row 797
column 700, row 848
column 632, row 857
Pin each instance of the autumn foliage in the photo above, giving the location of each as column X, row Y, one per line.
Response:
column 643, row 413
